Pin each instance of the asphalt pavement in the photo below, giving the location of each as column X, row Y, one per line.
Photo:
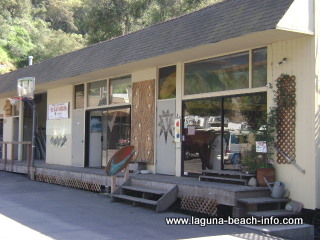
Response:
column 36, row 210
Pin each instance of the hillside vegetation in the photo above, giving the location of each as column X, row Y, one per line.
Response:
column 48, row 28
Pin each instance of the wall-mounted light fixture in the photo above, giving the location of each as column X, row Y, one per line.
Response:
column 284, row 60
column 269, row 85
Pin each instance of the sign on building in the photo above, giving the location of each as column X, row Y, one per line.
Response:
column 58, row 111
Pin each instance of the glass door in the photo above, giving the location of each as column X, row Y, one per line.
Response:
column 116, row 130
column 201, row 130
column 217, row 132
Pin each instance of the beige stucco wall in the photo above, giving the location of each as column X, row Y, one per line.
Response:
column 317, row 101
column 60, row 154
column 301, row 63
column 144, row 75
column 299, row 17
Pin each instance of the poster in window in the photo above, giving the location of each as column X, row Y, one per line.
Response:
column 96, row 124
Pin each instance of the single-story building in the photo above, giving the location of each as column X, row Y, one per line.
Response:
column 213, row 71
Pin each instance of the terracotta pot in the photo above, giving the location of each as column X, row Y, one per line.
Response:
column 268, row 173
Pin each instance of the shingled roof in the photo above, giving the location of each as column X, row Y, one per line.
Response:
column 226, row 20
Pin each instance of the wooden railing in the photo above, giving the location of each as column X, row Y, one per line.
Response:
column 5, row 153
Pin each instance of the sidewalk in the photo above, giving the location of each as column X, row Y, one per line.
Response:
column 35, row 210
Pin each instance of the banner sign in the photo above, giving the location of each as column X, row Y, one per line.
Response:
column 58, row 111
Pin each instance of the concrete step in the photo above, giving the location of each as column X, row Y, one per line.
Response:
column 263, row 200
column 162, row 199
column 223, row 179
column 272, row 213
column 135, row 199
column 293, row 232
column 229, row 173
column 144, row 189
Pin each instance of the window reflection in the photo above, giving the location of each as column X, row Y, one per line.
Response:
column 201, row 128
column 167, row 82
column 217, row 74
column 217, row 131
column 120, row 90
column 259, row 67
column 97, row 93
column 79, row 96
column 116, row 131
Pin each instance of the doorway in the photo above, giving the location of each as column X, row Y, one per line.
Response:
column 107, row 131
column 40, row 100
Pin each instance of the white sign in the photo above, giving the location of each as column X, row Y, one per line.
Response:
column 58, row 111
column 261, row 147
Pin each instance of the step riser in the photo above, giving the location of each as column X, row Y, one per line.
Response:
column 152, row 184
column 148, row 193
column 224, row 180
column 255, row 206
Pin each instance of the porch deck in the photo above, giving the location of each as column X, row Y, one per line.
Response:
column 223, row 193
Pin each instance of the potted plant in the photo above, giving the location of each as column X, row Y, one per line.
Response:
column 260, row 161
column 258, row 158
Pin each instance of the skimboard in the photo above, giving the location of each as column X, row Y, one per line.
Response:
column 119, row 160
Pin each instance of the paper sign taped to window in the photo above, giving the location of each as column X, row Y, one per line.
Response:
column 261, row 147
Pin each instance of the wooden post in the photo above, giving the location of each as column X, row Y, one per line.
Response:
column 113, row 183
column 12, row 155
column 29, row 146
column 126, row 173
column 5, row 156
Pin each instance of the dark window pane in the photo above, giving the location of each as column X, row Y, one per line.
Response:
column 79, row 96
column 167, row 82
column 259, row 67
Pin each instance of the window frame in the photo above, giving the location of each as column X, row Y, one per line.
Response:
column 107, row 105
column 232, row 92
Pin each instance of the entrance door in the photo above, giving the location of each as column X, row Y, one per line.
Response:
column 116, row 131
column 95, row 136
column 78, row 138
column 108, row 131
column 166, row 151
column 218, row 131
column 202, row 135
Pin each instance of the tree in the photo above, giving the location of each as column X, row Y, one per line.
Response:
column 60, row 15
column 105, row 19
column 15, row 8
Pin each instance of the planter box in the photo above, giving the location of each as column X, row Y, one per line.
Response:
column 268, row 173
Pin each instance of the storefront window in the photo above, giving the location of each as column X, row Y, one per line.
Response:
column 97, row 93
column 217, row 74
column 245, row 114
column 218, row 131
column 167, row 82
column 259, row 67
column 116, row 131
column 201, row 129
column 120, row 90
column 79, row 96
